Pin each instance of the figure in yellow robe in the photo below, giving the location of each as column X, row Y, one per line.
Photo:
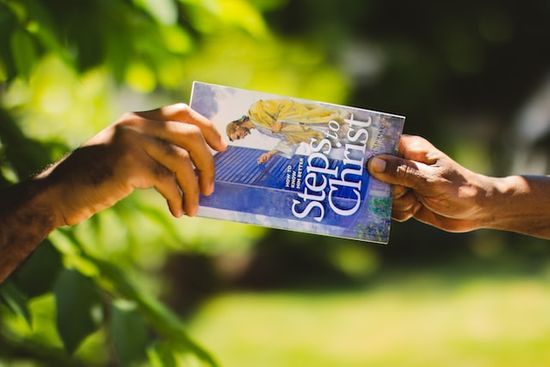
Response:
column 289, row 121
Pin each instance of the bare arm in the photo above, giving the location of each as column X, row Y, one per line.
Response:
column 166, row 149
column 434, row 189
column 520, row 204
column 27, row 215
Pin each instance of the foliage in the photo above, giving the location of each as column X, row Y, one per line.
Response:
column 65, row 67
column 68, row 68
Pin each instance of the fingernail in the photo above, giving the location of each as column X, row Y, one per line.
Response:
column 178, row 212
column 378, row 165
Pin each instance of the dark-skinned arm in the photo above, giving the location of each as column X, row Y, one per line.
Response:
column 431, row 187
column 166, row 149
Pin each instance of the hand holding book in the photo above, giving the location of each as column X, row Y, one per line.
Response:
column 169, row 149
column 297, row 164
column 436, row 190
column 166, row 148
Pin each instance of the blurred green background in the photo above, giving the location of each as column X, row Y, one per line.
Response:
column 132, row 286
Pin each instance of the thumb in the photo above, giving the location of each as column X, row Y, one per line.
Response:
column 399, row 171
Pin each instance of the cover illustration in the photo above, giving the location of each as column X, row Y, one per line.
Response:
column 297, row 164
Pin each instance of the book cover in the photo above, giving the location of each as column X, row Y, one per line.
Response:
column 297, row 164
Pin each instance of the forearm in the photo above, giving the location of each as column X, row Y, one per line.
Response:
column 27, row 216
column 520, row 204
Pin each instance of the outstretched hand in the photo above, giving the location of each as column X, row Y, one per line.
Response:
column 431, row 187
column 166, row 148
column 159, row 148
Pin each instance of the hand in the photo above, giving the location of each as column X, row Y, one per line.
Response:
column 160, row 148
column 265, row 157
column 431, row 187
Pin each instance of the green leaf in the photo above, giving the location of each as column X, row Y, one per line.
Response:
column 7, row 23
column 128, row 332
column 119, row 46
column 163, row 321
column 161, row 355
column 15, row 300
column 24, row 52
column 163, row 11
column 39, row 273
column 77, row 299
column 41, row 26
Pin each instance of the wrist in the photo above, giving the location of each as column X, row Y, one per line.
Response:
column 49, row 197
column 46, row 201
column 497, row 203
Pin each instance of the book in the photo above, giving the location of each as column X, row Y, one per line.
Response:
column 296, row 164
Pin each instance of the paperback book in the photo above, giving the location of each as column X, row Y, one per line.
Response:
column 298, row 165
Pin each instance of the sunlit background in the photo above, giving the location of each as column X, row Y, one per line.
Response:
column 132, row 286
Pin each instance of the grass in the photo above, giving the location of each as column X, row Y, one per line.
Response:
column 411, row 321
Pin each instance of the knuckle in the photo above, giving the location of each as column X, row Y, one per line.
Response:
column 417, row 142
column 182, row 154
column 127, row 156
column 404, row 204
column 401, row 216
column 407, row 171
column 182, row 109
column 211, row 129
column 125, row 137
column 165, row 147
column 402, row 170
column 161, row 172
column 120, row 128
column 398, row 191
column 417, row 139
column 209, row 125
column 126, row 118
column 194, row 132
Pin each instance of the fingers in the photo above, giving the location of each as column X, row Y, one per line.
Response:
column 405, row 207
column 406, row 202
column 181, row 112
column 176, row 138
column 188, row 137
column 398, row 191
column 425, row 215
column 418, row 149
column 177, row 161
column 402, row 216
column 400, row 171
column 165, row 184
